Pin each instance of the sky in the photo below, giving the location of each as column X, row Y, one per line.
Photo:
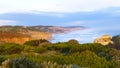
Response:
column 82, row 10
column 57, row 8
column 100, row 15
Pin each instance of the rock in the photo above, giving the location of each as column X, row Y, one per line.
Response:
column 21, row 34
column 104, row 40
column 11, row 37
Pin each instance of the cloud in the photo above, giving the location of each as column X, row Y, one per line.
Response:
column 7, row 22
column 61, row 6
column 26, row 5
column 47, row 13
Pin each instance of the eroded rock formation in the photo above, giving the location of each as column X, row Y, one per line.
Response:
column 104, row 40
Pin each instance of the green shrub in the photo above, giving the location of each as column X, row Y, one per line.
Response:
column 13, row 49
column 27, row 63
column 40, row 49
column 116, row 59
column 10, row 48
column 29, row 48
column 34, row 49
column 21, row 63
column 116, row 42
column 44, row 44
column 12, row 56
column 73, row 41
column 2, row 58
column 36, row 42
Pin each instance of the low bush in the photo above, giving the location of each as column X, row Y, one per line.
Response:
column 36, row 42
column 21, row 63
column 2, row 58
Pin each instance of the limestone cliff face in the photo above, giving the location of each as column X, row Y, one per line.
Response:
column 15, row 40
column 104, row 40
column 21, row 34
column 22, row 37
column 34, row 35
column 10, row 37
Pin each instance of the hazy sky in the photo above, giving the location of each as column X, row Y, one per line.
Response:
column 90, row 13
column 7, row 6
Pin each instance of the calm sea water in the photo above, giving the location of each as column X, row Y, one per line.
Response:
column 83, row 36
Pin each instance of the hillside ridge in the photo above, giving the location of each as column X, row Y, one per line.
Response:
column 21, row 34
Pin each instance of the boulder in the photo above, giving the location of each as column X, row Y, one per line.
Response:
column 104, row 40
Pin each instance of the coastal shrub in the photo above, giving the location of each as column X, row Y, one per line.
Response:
column 29, row 48
column 116, row 39
column 22, row 62
column 116, row 42
column 34, row 49
column 60, row 47
column 91, row 60
column 10, row 48
column 44, row 44
column 116, row 59
column 64, row 53
column 13, row 49
column 40, row 49
column 73, row 41
column 36, row 42
column 2, row 58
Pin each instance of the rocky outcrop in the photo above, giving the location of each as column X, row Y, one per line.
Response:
column 104, row 40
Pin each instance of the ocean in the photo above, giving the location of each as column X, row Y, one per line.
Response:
column 84, row 36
